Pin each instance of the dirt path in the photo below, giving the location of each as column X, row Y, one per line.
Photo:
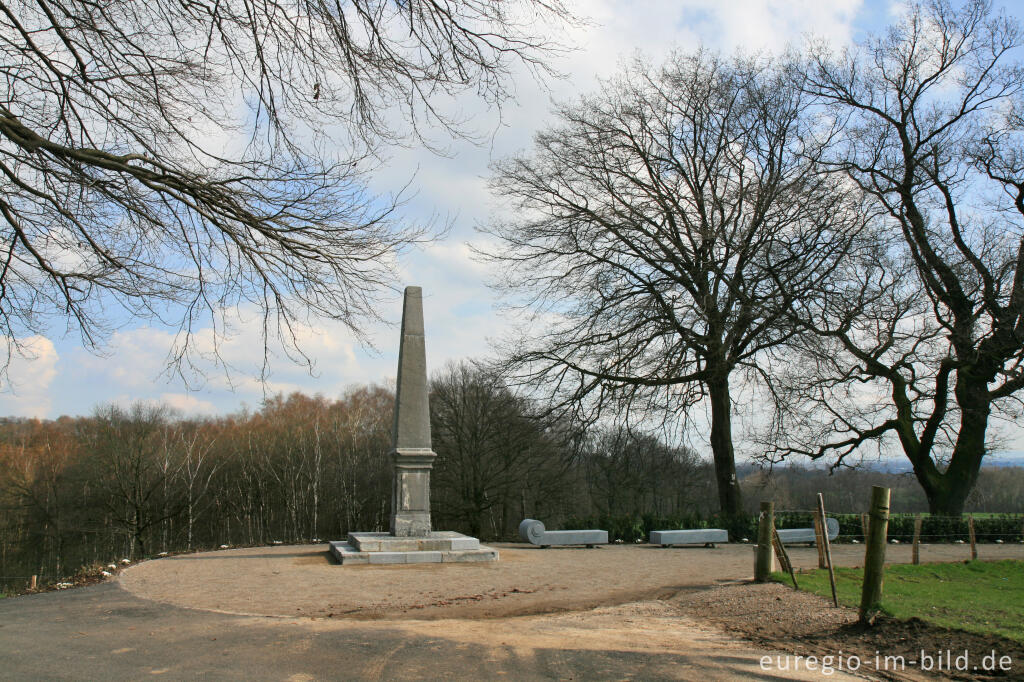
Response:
column 102, row 632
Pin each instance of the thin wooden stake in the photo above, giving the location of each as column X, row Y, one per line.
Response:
column 916, row 554
column 828, row 548
column 818, row 542
column 32, row 583
column 765, row 527
column 970, row 531
column 864, row 523
column 874, row 555
column 787, row 565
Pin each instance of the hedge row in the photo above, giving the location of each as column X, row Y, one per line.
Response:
column 934, row 529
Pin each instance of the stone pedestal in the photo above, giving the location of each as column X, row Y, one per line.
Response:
column 410, row 492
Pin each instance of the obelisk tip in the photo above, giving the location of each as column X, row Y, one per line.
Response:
column 412, row 312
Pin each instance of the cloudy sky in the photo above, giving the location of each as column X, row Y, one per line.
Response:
column 64, row 378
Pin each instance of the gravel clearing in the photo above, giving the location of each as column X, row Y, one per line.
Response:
column 303, row 580
column 694, row 603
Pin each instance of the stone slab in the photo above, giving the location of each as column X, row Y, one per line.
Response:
column 559, row 538
column 422, row 557
column 347, row 555
column 533, row 531
column 436, row 541
column 387, row 557
column 695, row 536
column 792, row 536
column 485, row 553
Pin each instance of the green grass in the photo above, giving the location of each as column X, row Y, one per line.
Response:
column 985, row 597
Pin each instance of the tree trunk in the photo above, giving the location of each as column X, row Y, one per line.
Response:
column 947, row 493
column 729, row 500
column 949, row 498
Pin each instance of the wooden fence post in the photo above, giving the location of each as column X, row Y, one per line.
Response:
column 970, row 531
column 828, row 548
column 780, row 552
column 916, row 553
column 765, row 528
column 819, row 542
column 874, row 555
column 33, row 582
column 864, row 526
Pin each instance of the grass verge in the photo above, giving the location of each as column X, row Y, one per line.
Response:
column 984, row 597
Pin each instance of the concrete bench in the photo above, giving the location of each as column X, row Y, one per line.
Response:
column 697, row 536
column 792, row 536
column 532, row 531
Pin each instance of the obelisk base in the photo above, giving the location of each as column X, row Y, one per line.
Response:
column 434, row 548
column 410, row 493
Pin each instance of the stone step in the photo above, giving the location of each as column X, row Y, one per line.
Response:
column 347, row 555
column 436, row 541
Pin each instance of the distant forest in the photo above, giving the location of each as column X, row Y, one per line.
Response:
column 137, row 481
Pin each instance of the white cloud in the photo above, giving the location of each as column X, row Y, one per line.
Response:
column 225, row 372
column 30, row 376
column 773, row 25
column 187, row 403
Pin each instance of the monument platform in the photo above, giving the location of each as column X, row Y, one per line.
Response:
column 434, row 548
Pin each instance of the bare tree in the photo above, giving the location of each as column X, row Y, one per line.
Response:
column 196, row 473
column 129, row 446
column 925, row 342
column 491, row 446
column 180, row 158
column 663, row 229
column 632, row 474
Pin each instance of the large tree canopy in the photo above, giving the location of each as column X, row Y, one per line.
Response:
column 663, row 228
column 923, row 344
column 180, row 158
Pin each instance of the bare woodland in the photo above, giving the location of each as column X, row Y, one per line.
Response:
column 141, row 481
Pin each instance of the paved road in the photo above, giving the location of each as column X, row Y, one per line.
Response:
column 105, row 633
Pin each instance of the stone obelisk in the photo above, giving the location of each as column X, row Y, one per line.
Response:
column 411, row 449
column 411, row 540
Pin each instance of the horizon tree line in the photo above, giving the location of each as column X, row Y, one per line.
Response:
column 138, row 481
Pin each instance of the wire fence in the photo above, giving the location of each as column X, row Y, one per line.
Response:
column 935, row 528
